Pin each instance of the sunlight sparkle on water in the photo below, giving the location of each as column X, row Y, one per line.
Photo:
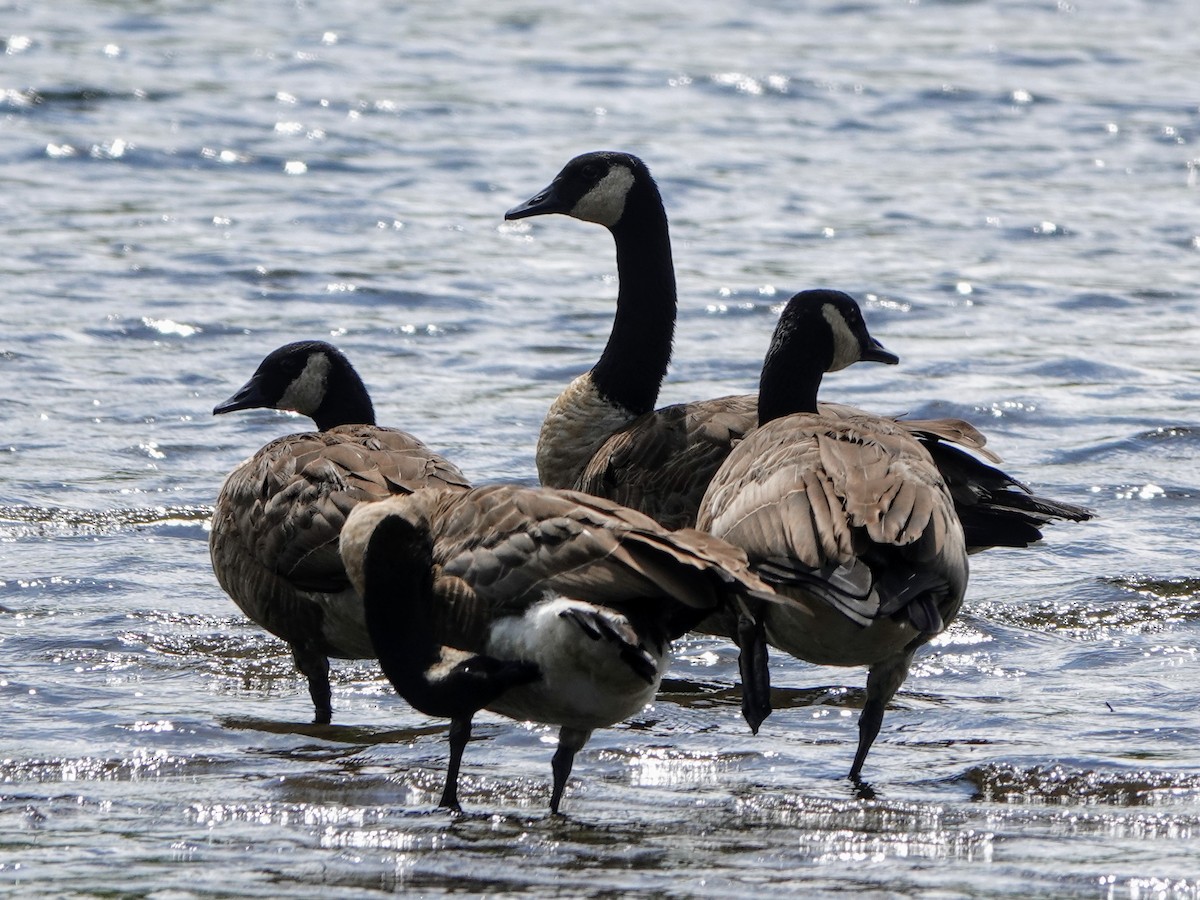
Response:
column 664, row 768
column 169, row 326
column 1148, row 491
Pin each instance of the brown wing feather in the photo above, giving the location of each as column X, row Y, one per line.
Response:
column 512, row 544
column 286, row 505
column 461, row 616
column 662, row 462
column 804, row 485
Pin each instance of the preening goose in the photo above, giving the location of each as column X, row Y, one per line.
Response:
column 278, row 515
column 848, row 515
column 602, row 435
column 542, row 605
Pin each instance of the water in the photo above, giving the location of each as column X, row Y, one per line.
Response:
column 1009, row 187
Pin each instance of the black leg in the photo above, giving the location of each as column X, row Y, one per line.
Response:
column 460, row 734
column 883, row 681
column 869, row 723
column 753, row 667
column 570, row 742
column 315, row 667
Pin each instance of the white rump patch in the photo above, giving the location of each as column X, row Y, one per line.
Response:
column 605, row 203
column 305, row 393
column 585, row 683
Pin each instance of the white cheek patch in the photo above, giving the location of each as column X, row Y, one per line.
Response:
column 846, row 349
column 305, row 393
column 605, row 203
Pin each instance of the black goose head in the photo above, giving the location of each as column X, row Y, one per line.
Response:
column 312, row 378
column 616, row 190
column 594, row 187
column 819, row 331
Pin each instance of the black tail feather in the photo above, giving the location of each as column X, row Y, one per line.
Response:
column 996, row 510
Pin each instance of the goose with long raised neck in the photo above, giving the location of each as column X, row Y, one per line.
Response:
column 603, row 435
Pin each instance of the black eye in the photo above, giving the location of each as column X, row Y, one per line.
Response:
column 591, row 171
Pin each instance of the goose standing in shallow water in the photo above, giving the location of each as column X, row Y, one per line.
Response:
column 603, row 436
column 542, row 605
column 846, row 514
column 274, row 539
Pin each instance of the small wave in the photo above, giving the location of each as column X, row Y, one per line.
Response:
column 1044, row 230
column 43, row 521
column 1057, row 784
column 671, row 767
column 1146, row 614
column 1078, row 370
column 82, row 96
column 326, row 816
column 833, row 829
column 1164, row 434
column 1047, row 61
column 336, row 733
column 146, row 328
column 1156, row 587
column 1094, row 301
column 1167, row 438
column 139, row 764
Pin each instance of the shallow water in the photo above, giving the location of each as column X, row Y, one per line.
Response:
column 1009, row 187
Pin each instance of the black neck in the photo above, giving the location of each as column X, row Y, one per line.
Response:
column 634, row 362
column 346, row 401
column 398, row 599
column 400, row 609
column 791, row 377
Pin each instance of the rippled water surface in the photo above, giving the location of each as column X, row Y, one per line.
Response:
column 1010, row 187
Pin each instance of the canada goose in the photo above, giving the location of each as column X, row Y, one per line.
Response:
column 846, row 514
column 602, row 435
column 542, row 605
column 278, row 515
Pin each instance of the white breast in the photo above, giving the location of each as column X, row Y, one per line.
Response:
column 579, row 421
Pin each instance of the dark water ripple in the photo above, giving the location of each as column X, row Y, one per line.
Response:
column 1056, row 785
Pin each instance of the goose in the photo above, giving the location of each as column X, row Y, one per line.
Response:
column 603, row 435
column 542, row 605
column 278, row 515
column 846, row 514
